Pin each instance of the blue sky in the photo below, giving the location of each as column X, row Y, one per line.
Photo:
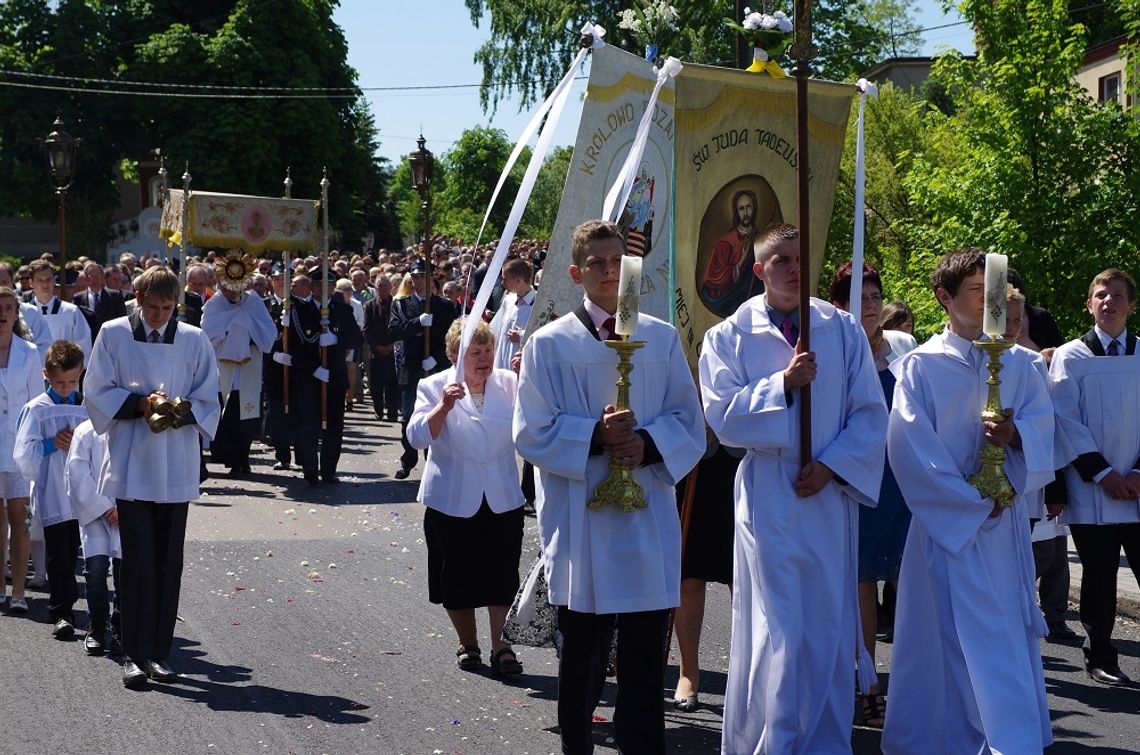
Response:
column 393, row 43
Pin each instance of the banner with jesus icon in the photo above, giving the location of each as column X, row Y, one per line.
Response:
column 736, row 174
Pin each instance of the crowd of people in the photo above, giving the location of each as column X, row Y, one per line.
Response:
column 883, row 497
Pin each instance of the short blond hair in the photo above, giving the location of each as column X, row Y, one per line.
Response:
column 483, row 335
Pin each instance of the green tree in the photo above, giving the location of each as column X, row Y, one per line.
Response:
column 233, row 144
column 532, row 41
column 1029, row 165
column 542, row 210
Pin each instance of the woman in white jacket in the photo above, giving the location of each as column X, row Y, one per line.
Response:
column 21, row 380
column 473, row 525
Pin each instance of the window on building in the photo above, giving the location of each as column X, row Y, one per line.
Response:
column 1108, row 88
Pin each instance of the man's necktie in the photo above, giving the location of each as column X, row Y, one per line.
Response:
column 788, row 328
column 153, row 337
column 95, row 301
column 609, row 326
column 1113, row 348
column 44, row 308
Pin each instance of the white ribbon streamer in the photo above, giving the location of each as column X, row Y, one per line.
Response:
column 855, row 301
column 555, row 104
column 623, row 184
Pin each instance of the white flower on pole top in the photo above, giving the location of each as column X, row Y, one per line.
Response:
column 629, row 21
column 757, row 20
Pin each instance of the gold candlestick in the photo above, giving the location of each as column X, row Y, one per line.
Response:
column 620, row 488
column 991, row 480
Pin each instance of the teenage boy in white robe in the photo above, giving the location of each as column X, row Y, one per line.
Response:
column 1095, row 383
column 510, row 320
column 605, row 565
column 966, row 670
column 794, row 609
column 65, row 320
column 137, row 360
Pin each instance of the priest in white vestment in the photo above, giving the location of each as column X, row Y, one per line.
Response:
column 137, row 360
column 240, row 329
column 1095, row 384
column 791, row 674
column 605, row 565
column 966, row 673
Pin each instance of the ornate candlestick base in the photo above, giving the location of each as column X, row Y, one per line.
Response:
column 620, row 488
column 990, row 479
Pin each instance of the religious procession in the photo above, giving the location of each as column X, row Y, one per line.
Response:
column 732, row 334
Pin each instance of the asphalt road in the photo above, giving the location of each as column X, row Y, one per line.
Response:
column 306, row 630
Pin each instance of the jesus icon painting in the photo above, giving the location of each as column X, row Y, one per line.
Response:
column 746, row 206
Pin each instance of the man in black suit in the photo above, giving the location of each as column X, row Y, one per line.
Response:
column 407, row 323
column 196, row 294
column 383, row 382
column 98, row 303
column 1095, row 386
column 342, row 325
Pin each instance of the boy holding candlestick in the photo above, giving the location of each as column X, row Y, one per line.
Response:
column 794, row 608
column 1095, row 383
column 967, row 663
column 604, row 565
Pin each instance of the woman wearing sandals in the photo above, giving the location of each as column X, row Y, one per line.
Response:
column 882, row 530
column 474, row 519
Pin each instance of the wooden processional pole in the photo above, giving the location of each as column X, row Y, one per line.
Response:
column 325, row 292
column 286, row 303
column 802, row 52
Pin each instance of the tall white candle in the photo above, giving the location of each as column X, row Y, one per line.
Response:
column 629, row 296
column 997, row 278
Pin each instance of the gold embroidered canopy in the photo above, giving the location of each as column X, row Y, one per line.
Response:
column 238, row 220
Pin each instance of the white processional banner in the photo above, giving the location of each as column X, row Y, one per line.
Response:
column 616, row 97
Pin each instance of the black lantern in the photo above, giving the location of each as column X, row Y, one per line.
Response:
column 60, row 149
column 423, row 166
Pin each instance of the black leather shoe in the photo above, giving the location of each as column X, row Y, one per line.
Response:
column 1110, row 675
column 159, row 671
column 312, row 478
column 331, row 479
column 133, row 676
column 282, row 466
column 1061, row 633
column 93, row 644
column 403, row 472
column 63, row 630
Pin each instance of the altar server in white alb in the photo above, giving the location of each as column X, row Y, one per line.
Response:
column 513, row 314
column 42, row 441
column 605, row 565
column 794, row 601
column 1095, row 383
column 138, row 360
column 966, row 672
column 64, row 319
column 240, row 328
column 99, row 533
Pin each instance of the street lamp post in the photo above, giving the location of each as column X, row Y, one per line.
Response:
column 60, row 149
column 423, row 167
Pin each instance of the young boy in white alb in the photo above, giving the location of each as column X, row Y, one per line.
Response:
column 99, row 529
column 43, row 437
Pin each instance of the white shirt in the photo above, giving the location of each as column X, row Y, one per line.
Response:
column 1106, row 339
